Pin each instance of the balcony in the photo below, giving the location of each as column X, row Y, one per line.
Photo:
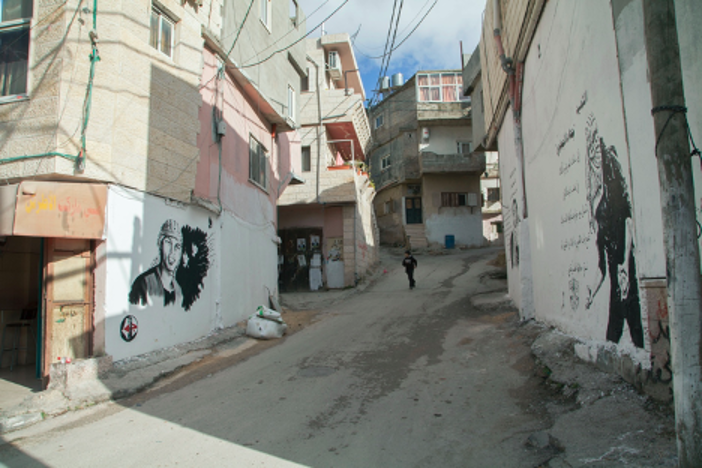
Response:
column 344, row 116
column 432, row 163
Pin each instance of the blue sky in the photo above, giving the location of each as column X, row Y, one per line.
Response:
column 434, row 45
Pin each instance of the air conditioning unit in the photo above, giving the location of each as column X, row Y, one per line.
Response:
column 334, row 65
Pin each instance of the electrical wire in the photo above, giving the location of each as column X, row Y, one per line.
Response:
column 410, row 33
column 293, row 43
column 238, row 33
column 385, row 50
column 282, row 49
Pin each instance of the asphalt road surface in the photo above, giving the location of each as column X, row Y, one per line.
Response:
column 389, row 377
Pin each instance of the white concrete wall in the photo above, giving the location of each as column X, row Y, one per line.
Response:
column 572, row 90
column 241, row 269
column 442, row 140
column 249, row 268
column 688, row 16
column 512, row 197
column 133, row 226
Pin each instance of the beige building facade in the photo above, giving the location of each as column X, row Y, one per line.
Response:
column 423, row 164
column 142, row 152
column 327, row 222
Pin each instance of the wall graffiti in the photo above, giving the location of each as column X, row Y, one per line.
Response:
column 177, row 275
column 659, row 332
column 513, row 238
column 612, row 224
column 129, row 328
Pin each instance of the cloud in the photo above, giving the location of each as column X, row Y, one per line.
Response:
column 434, row 45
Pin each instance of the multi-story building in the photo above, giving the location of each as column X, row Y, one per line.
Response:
column 423, row 164
column 143, row 148
column 327, row 224
column 490, row 180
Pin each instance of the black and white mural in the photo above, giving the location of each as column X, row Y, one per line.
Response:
column 176, row 277
column 611, row 223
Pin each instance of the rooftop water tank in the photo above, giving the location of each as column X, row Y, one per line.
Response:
column 397, row 80
column 385, row 83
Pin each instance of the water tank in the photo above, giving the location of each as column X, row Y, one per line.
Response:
column 384, row 83
column 397, row 80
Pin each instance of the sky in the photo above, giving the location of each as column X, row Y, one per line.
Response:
column 434, row 45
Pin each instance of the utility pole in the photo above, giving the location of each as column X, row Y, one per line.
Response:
column 679, row 225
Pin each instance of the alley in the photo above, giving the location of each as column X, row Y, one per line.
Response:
column 387, row 377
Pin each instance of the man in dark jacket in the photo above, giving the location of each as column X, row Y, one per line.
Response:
column 410, row 263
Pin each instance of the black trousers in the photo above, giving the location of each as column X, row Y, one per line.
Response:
column 410, row 276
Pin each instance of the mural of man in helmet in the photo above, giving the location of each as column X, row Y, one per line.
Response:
column 160, row 280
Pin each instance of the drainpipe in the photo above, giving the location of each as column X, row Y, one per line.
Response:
column 515, row 76
column 355, row 211
column 319, row 117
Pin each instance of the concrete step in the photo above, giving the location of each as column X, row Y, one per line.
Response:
column 417, row 236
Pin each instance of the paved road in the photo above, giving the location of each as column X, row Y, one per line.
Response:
column 389, row 377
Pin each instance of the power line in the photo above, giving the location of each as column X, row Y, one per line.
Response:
column 241, row 28
column 293, row 43
column 406, row 37
column 394, row 36
column 385, row 49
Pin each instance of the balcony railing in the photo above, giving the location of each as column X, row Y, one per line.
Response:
column 433, row 163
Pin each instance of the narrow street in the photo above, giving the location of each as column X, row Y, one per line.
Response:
column 389, row 377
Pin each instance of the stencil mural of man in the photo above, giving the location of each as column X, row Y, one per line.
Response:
column 611, row 220
column 160, row 280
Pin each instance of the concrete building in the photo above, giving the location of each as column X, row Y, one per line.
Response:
column 490, row 179
column 327, row 224
column 143, row 148
column 577, row 150
column 423, row 164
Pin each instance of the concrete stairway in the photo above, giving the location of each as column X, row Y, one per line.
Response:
column 416, row 235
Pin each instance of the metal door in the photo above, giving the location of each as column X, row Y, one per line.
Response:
column 413, row 210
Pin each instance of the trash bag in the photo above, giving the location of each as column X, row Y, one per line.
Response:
column 266, row 324
column 269, row 314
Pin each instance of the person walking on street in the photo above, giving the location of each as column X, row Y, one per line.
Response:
column 410, row 263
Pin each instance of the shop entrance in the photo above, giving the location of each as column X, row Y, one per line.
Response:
column 20, row 316
column 301, row 256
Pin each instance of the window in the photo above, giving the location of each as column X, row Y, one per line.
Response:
column 387, row 207
column 453, row 199
column 162, row 28
column 464, row 147
column 305, row 82
column 379, row 121
column 291, row 103
column 15, row 16
column 266, row 13
column 306, row 159
column 493, row 195
column 385, row 162
column 440, row 87
column 258, row 163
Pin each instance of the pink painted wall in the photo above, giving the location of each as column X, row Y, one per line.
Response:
column 239, row 195
column 300, row 217
column 334, row 222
